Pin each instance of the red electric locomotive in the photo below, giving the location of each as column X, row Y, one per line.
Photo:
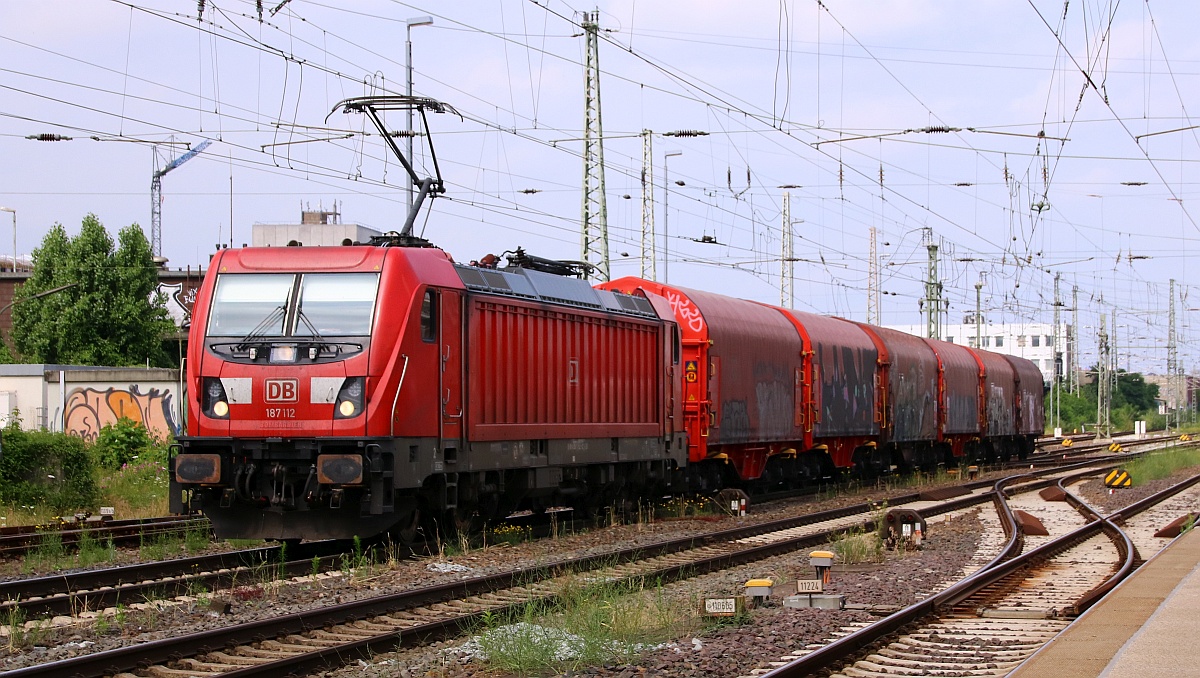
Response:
column 339, row 391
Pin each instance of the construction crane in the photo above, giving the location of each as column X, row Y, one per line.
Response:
column 156, row 194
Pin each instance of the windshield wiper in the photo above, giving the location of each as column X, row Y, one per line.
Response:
column 319, row 340
column 260, row 330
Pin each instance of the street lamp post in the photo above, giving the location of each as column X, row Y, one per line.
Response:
column 14, row 213
column 666, row 211
column 415, row 21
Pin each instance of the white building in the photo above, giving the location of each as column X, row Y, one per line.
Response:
column 1033, row 341
column 316, row 227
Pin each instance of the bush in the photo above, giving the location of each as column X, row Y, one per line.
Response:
column 43, row 468
column 123, row 442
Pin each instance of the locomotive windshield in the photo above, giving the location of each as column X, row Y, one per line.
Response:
column 337, row 304
column 291, row 304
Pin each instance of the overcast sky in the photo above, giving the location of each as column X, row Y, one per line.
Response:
column 1039, row 162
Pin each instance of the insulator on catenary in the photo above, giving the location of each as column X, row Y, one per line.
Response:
column 48, row 137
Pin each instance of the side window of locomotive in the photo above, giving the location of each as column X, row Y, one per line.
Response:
column 429, row 316
column 245, row 303
column 336, row 304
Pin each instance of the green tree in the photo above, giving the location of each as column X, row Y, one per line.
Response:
column 1132, row 399
column 87, row 303
column 1133, row 390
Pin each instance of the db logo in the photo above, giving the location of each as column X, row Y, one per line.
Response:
column 281, row 390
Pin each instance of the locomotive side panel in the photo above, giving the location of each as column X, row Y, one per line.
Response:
column 543, row 372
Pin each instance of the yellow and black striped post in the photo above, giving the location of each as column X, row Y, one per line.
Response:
column 1117, row 477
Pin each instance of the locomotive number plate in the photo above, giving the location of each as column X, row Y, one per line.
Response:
column 281, row 413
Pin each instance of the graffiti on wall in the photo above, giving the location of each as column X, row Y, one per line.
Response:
column 180, row 300
column 89, row 410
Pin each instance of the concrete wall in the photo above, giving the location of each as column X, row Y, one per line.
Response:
column 82, row 400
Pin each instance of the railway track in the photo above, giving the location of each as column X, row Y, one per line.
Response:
column 317, row 638
column 72, row 593
column 76, row 592
column 992, row 621
column 19, row 540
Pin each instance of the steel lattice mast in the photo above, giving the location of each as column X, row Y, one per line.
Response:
column 1172, row 362
column 787, row 275
column 649, row 250
column 873, row 283
column 933, row 291
column 594, row 221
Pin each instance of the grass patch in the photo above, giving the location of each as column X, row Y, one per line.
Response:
column 92, row 550
column 507, row 533
column 1162, row 464
column 160, row 545
column 854, row 548
column 588, row 624
column 48, row 554
column 135, row 490
column 686, row 507
column 197, row 537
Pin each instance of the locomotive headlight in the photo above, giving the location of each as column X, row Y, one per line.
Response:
column 350, row 398
column 213, row 400
column 283, row 354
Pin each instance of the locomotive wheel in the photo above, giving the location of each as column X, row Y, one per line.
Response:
column 408, row 531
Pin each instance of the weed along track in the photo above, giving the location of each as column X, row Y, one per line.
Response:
column 55, row 539
column 92, row 590
column 344, row 632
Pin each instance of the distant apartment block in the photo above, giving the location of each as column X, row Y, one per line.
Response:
column 1033, row 341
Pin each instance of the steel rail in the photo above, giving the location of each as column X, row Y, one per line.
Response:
column 68, row 593
column 843, row 648
column 124, row 531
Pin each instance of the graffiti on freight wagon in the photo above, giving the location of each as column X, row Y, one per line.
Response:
column 89, row 410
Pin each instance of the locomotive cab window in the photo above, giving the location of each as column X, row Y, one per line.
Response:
column 429, row 316
column 335, row 304
column 265, row 305
column 247, row 303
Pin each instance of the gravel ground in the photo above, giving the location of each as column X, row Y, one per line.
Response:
column 145, row 621
column 1097, row 495
column 768, row 633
